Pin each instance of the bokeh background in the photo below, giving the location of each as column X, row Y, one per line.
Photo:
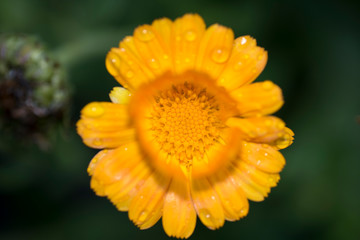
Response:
column 314, row 55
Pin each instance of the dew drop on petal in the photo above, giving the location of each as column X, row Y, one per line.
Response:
column 97, row 142
column 190, row 36
column 93, row 110
column 153, row 63
column 243, row 211
column 220, row 55
column 243, row 41
column 143, row 216
column 144, row 34
column 267, row 85
column 238, row 65
column 129, row 74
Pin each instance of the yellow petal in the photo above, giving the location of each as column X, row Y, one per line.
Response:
column 207, row 204
column 153, row 52
column 127, row 67
column 188, row 32
column 117, row 162
column 214, row 51
column 123, row 191
column 98, row 188
column 119, row 174
column 233, row 200
column 262, row 156
column 146, row 207
column 246, row 62
column 163, row 30
column 105, row 125
column 95, row 161
column 262, row 178
column 258, row 99
column 120, row 95
column 285, row 139
column 252, row 189
column 179, row 217
column 269, row 129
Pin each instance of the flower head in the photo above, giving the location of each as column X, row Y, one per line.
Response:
column 188, row 133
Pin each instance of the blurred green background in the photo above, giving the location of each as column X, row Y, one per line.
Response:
column 314, row 55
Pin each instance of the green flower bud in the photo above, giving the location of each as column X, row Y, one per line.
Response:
column 34, row 92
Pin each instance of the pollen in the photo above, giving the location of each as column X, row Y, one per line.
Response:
column 184, row 122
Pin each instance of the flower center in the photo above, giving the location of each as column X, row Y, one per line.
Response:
column 180, row 124
column 185, row 122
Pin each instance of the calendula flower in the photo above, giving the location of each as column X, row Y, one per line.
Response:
column 188, row 133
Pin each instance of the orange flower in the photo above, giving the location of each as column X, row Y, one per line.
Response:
column 188, row 135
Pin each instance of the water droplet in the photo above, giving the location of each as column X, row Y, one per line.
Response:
column 144, row 33
column 154, row 63
column 97, row 142
column 281, row 125
column 267, row 85
column 125, row 149
column 258, row 162
column 143, row 216
column 243, row 211
column 268, row 123
column 93, row 110
column 213, row 197
column 265, row 154
column 129, row 74
column 243, row 40
column 220, row 55
column 190, row 35
column 238, row 65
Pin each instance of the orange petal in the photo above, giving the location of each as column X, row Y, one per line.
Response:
column 214, row 51
column 262, row 156
column 163, row 30
column 117, row 162
column 252, row 189
column 105, row 125
column 233, row 200
column 267, row 129
column 123, row 191
column 207, row 204
column 127, row 66
column 187, row 35
column 153, row 52
column 108, row 167
column 146, row 207
column 246, row 63
column 260, row 177
column 95, row 161
column 258, row 99
column 179, row 217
